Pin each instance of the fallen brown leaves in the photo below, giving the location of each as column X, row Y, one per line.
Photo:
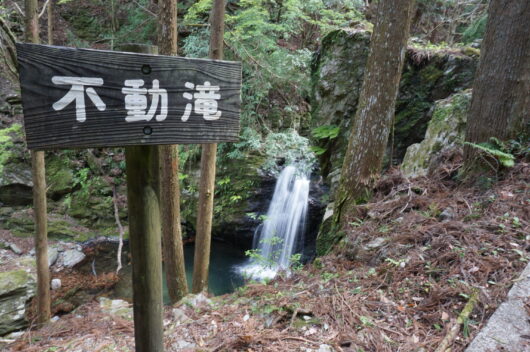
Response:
column 397, row 282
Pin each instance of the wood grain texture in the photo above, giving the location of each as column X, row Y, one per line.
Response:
column 145, row 246
column 50, row 129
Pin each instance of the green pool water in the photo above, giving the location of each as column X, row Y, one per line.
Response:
column 223, row 274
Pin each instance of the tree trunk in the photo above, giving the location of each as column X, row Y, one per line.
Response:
column 375, row 112
column 50, row 22
column 207, row 182
column 169, row 183
column 500, row 106
column 39, row 194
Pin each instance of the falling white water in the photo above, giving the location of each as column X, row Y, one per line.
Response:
column 275, row 240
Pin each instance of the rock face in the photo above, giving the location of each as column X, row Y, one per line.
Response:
column 15, row 172
column 16, row 288
column 337, row 74
column 72, row 257
column 445, row 129
column 243, row 194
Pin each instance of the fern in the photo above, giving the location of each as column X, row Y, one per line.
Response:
column 506, row 159
column 326, row 131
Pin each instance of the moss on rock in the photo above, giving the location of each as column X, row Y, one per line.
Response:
column 337, row 75
column 446, row 129
column 16, row 288
column 59, row 176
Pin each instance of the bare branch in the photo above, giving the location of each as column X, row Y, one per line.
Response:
column 19, row 9
column 145, row 9
column 120, row 227
column 43, row 8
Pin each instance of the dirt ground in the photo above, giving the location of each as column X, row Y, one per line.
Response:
column 410, row 262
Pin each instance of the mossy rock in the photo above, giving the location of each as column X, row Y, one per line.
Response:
column 15, row 170
column 59, row 176
column 336, row 80
column 241, row 188
column 328, row 236
column 16, row 288
column 445, row 130
column 22, row 224
column 337, row 75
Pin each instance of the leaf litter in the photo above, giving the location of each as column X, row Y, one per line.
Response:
column 399, row 279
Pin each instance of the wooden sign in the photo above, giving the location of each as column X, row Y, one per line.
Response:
column 93, row 98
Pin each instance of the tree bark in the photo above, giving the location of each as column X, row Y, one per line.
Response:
column 375, row 112
column 208, row 157
column 50, row 22
column 173, row 251
column 39, row 193
column 500, row 106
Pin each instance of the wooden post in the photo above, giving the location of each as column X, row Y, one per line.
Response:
column 169, row 167
column 207, row 183
column 39, row 194
column 144, row 240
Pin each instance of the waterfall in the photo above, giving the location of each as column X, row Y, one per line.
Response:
column 276, row 238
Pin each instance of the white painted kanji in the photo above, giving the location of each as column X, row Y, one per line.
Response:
column 77, row 94
column 205, row 101
column 136, row 101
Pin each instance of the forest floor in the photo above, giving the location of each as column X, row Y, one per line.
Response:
column 412, row 259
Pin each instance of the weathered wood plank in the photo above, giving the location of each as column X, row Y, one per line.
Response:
column 106, row 124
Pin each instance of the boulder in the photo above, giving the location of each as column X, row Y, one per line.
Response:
column 337, row 75
column 16, row 288
column 15, row 171
column 72, row 257
column 446, row 129
column 53, row 254
column 21, row 223
column 116, row 307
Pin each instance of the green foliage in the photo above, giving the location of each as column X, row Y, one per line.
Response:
column 475, row 30
column 274, row 41
column 329, row 276
column 494, row 149
column 140, row 26
column 292, row 147
column 326, row 131
column 6, row 143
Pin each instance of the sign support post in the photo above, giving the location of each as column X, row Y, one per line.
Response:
column 145, row 246
column 142, row 165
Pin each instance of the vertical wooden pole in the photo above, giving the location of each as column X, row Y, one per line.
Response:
column 39, row 194
column 169, row 167
column 144, row 241
column 208, row 157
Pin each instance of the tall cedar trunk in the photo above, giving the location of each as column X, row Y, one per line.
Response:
column 500, row 106
column 169, row 183
column 50, row 22
column 39, row 194
column 207, row 184
column 375, row 112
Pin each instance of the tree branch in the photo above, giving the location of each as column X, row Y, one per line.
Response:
column 44, row 8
